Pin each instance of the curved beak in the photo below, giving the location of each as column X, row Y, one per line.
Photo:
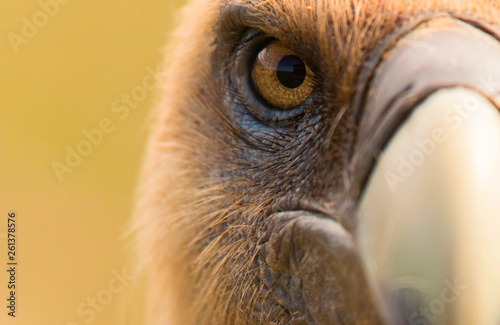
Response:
column 429, row 215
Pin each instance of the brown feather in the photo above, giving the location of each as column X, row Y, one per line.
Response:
column 201, row 213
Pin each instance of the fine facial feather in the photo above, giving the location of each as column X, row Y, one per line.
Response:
column 208, row 184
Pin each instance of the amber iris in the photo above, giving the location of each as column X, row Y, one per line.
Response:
column 281, row 78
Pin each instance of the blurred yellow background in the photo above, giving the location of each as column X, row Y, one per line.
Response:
column 65, row 66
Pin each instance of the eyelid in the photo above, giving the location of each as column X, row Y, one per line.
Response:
column 248, row 37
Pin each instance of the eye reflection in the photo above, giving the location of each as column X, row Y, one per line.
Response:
column 291, row 71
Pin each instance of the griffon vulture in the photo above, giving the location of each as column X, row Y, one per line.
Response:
column 326, row 162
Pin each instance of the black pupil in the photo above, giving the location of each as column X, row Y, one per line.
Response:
column 291, row 71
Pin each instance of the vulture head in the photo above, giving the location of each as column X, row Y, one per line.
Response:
column 326, row 162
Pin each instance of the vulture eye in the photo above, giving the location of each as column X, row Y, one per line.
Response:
column 280, row 77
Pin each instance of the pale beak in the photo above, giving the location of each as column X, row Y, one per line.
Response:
column 428, row 227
